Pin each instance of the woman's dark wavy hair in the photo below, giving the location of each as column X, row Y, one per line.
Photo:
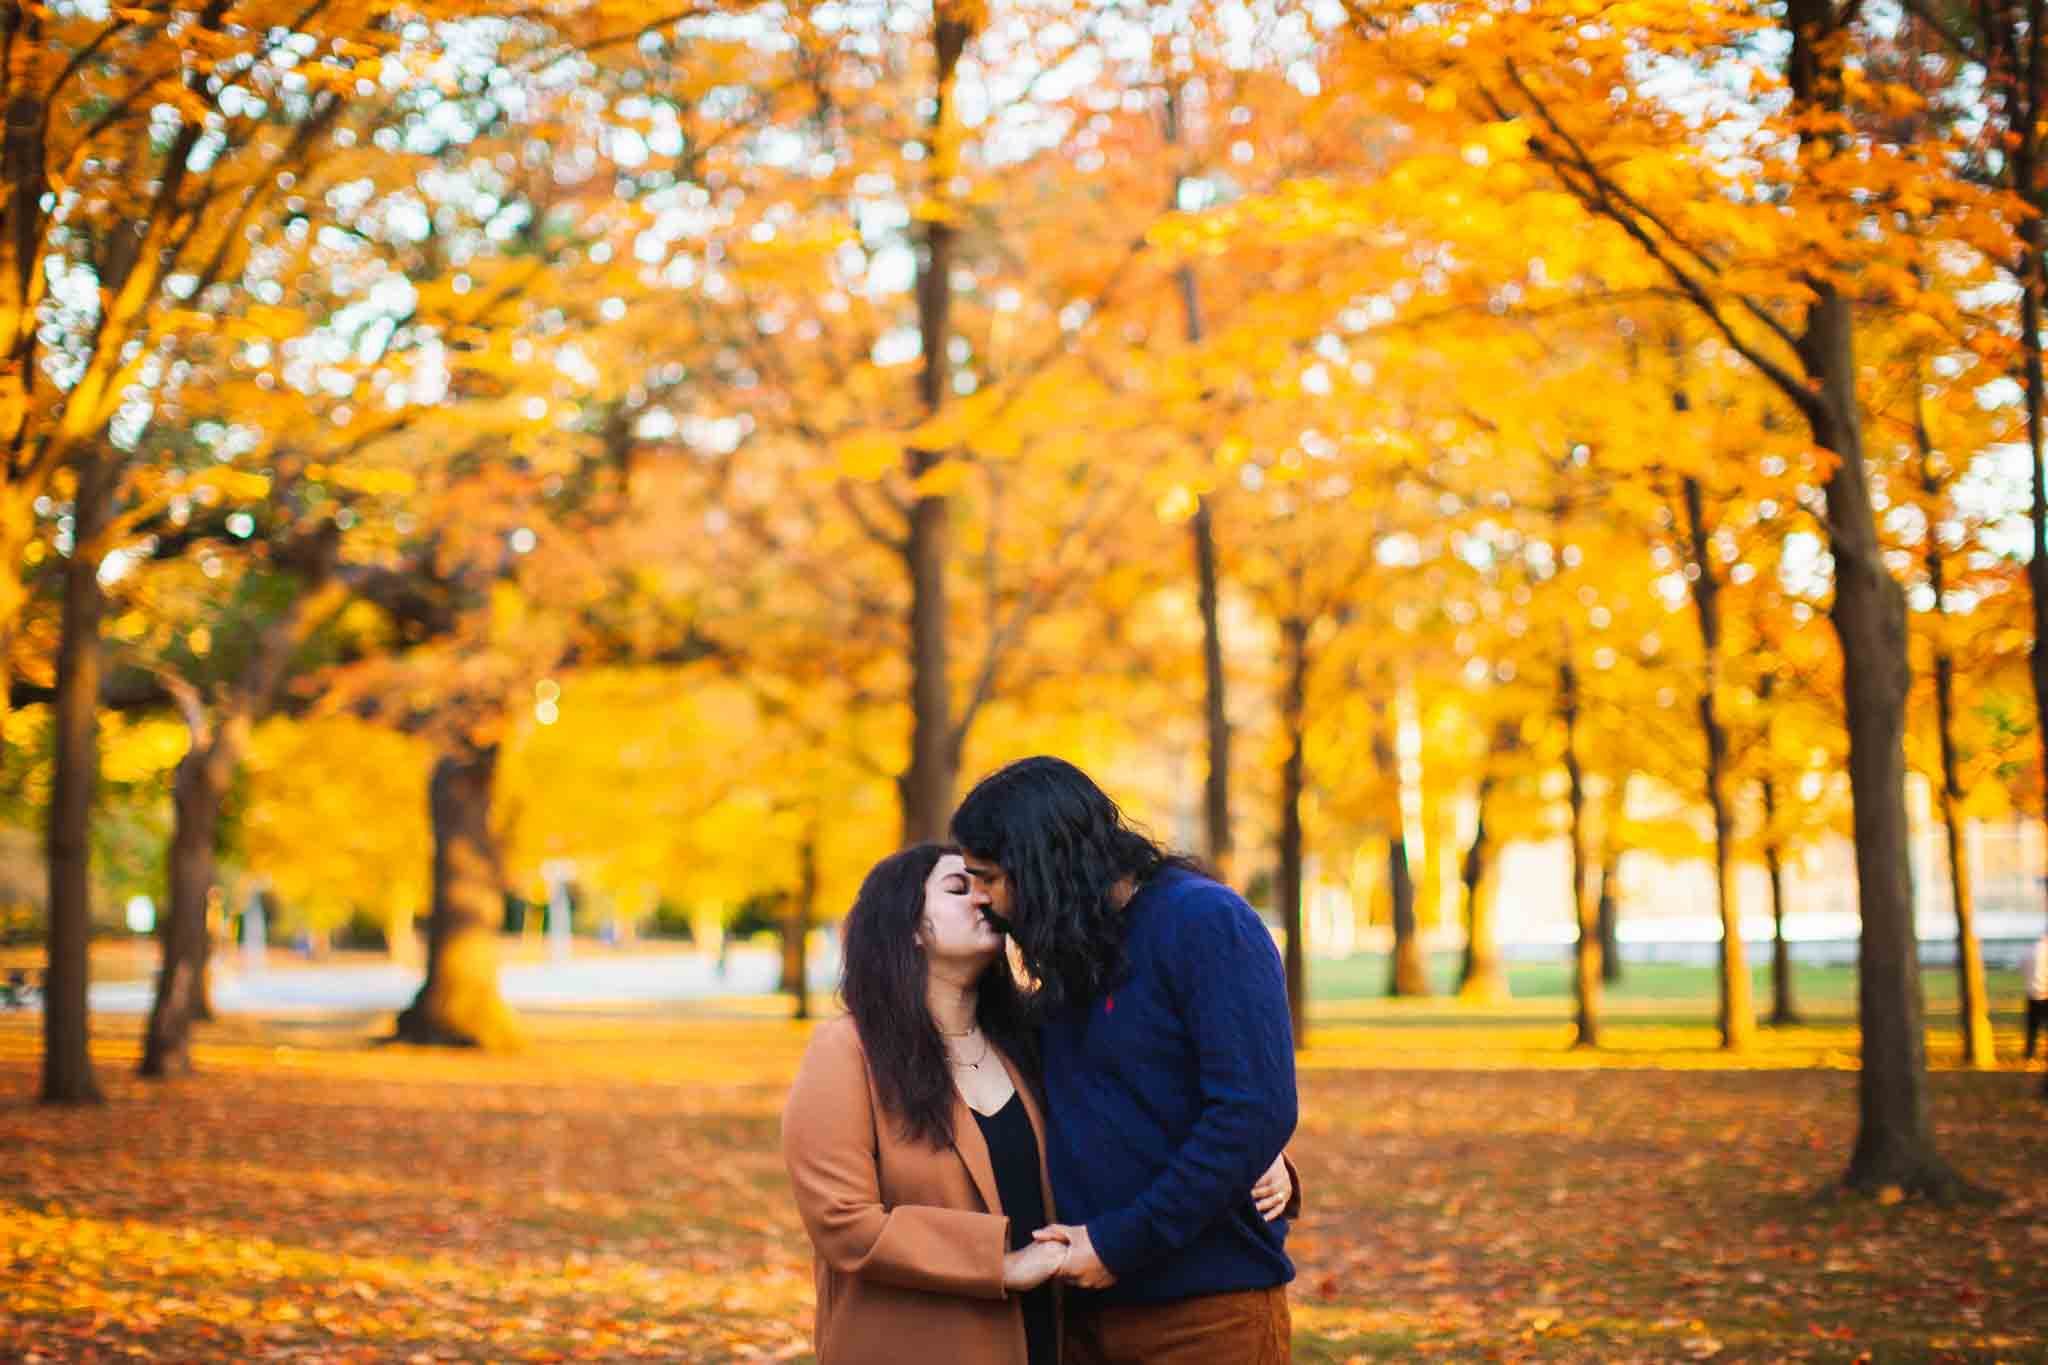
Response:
column 1063, row 845
column 882, row 981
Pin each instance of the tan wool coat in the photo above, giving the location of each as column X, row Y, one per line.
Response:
column 909, row 1238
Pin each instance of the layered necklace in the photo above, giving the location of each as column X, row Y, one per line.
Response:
column 966, row 1033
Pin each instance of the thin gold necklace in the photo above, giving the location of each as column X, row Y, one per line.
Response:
column 976, row 1064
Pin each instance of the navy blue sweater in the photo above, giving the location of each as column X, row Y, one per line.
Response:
column 1171, row 1094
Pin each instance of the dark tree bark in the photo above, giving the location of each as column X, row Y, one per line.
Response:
column 1407, row 974
column 1586, row 952
column 1608, row 908
column 1895, row 1141
column 196, row 793
column 198, row 788
column 927, row 785
column 1293, row 719
column 1216, row 786
column 1737, row 1013
column 796, row 929
column 67, row 1028
column 1784, row 1007
column 459, row 1004
column 1972, row 997
column 1217, row 845
column 1482, row 977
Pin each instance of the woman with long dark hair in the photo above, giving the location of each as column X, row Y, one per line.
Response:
column 915, row 1136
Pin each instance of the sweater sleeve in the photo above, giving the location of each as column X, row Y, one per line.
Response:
column 829, row 1145
column 1230, row 990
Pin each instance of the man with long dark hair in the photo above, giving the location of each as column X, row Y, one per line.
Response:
column 1169, row 1071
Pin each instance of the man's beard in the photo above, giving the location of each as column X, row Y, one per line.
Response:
column 998, row 923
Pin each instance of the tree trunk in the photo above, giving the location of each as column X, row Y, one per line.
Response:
column 195, row 802
column 1481, row 976
column 927, row 785
column 2024, row 107
column 1895, row 1142
column 1217, row 845
column 1737, row 1014
column 1216, row 786
column 67, row 1059
column 1608, row 910
column 1784, row 1008
column 1972, row 1002
column 459, row 1005
column 796, row 930
column 1972, row 997
column 1407, row 975
column 1293, row 716
column 1586, row 952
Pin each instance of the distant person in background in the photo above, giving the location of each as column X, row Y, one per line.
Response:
column 2037, row 992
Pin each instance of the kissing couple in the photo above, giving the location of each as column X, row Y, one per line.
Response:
column 1086, row 1168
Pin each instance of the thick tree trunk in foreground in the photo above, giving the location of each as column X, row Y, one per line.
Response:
column 459, row 1004
column 67, row 1059
column 1293, row 716
column 1586, row 952
column 1895, row 1141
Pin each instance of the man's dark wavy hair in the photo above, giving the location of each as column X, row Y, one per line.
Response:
column 882, row 980
column 1063, row 845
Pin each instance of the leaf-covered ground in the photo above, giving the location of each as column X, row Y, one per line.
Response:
column 615, row 1193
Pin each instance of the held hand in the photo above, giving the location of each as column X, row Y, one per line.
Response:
column 1029, row 1267
column 1083, row 1267
column 1273, row 1190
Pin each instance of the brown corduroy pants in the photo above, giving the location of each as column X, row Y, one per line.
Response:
column 1251, row 1327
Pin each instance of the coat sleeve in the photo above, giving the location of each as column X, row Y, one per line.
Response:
column 829, row 1143
column 1293, row 1209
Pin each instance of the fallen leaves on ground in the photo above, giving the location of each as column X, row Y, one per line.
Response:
column 616, row 1193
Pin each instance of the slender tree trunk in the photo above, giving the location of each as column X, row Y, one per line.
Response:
column 1737, row 1015
column 803, row 911
column 1586, row 954
column 459, row 1004
column 1202, row 534
column 1293, row 716
column 1608, row 908
column 200, row 786
column 1407, row 975
column 67, row 1059
column 1216, row 786
column 1482, row 977
column 2024, row 80
column 927, row 786
column 195, row 801
column 1784, row 1008
column 1972, row 995
column 1972, row 998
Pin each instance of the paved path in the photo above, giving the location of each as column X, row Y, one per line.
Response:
column 591, row 975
